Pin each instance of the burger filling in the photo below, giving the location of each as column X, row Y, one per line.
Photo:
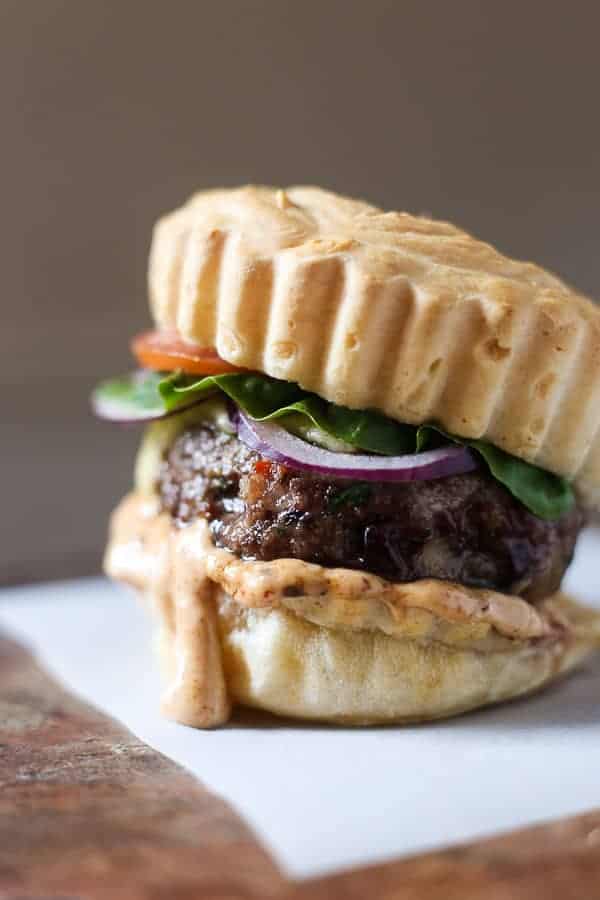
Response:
column 465, row 528
column 279, row 472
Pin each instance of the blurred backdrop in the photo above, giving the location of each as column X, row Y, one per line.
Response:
column 485, row 113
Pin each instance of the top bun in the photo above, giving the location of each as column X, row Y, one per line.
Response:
column 387, row 311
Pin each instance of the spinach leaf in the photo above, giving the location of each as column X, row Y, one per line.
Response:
column 263, row 398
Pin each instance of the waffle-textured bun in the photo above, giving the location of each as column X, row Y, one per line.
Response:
column 300, row 639
column 388, row 311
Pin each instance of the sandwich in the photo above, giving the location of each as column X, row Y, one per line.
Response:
column 371, row 442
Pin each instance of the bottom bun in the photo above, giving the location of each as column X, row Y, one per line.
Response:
column 334, row 645
column 278, row 662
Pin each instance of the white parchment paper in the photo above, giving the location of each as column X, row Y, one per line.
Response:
column 327, row 798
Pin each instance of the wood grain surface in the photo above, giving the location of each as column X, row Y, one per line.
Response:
column 88, row 811
column 556, row 861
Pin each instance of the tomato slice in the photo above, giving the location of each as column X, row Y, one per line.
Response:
column 164, row 351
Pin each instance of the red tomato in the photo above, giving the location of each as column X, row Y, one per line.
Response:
column 165, row 352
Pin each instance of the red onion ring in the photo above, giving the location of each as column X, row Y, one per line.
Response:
column 122, row 413
column 275, row 443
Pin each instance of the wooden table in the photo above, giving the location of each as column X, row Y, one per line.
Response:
column 88, row 811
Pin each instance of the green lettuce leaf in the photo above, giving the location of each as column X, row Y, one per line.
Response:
column 263, row 398
column 136, row 395
column 546, row 495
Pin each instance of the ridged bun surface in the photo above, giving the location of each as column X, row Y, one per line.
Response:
column 388, row 311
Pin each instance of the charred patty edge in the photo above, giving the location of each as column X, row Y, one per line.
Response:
column 464, row 528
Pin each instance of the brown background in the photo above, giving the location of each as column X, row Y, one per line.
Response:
column 112, row 112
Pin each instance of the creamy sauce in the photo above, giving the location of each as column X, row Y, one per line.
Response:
column 170, row 568
column 185, row 578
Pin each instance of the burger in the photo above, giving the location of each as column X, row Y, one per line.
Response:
column 371, row 443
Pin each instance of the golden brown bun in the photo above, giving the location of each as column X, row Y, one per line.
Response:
column 277, row 661
column 332, row 644
column 388, row 311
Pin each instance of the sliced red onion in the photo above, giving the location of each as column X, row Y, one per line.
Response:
column 122, row 410
column 121, row 415
column 277, row 444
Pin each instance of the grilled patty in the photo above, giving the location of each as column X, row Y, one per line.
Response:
column 464, row 528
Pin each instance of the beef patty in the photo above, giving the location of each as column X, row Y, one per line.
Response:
column 463, row 528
